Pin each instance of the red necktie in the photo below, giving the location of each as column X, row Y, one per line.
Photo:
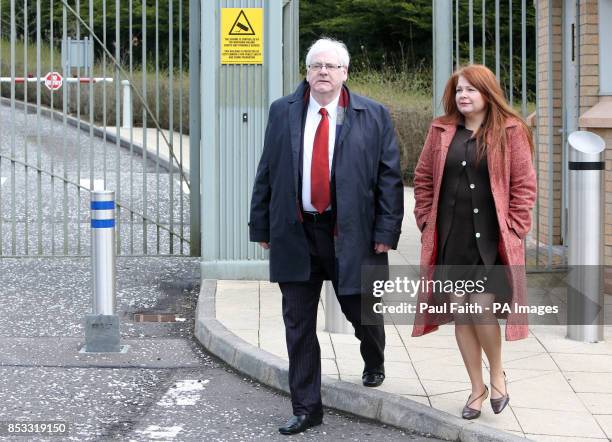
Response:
column 319, row 167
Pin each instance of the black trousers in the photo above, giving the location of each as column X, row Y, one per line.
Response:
column 300, row 301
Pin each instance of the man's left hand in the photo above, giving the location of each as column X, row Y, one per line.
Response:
column 381, row 248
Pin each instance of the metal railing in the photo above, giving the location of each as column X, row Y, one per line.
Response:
column 515, row 23
column 60, row 144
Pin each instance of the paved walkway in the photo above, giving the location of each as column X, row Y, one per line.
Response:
column 155, row 141
column 560, row 389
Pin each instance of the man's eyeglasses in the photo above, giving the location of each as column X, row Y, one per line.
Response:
column 329, row 67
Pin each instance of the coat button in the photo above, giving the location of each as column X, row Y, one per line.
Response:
column 463, row 163
column 475, row 210
column 477, row 235
column 472, row 186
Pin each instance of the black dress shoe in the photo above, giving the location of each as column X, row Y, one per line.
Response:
column 470, row 413
column 372, row 379
column 301, row 422
column 498, row 404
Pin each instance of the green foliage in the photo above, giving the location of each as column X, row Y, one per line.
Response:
column 407, row 95
column 398, row 33
column 394, row 86
column 376, row 32
column 135, row 30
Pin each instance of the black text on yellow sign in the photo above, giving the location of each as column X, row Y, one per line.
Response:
column 242, row 36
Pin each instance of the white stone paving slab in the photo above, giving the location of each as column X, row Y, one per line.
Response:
column 558, row 423
column 605, row 421
column 586, row 362
column 597, row 403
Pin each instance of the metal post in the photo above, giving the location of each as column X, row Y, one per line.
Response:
column 570, row 98
column 335, row 321
column 471, row 30
column 550, row 96
column 443, row 51
column 510, row 55
column 209, row 124
column 524, row 58
column 127, row 105
column 103, row 251
column 235, row 99
column 457, row 57
column 274, row 50
column 194, row 126
column 102, row 326
column 291, row 45
column 484, row 33
column 497, row 44
column 585, row 291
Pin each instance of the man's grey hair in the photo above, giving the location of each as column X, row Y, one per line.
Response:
column 329, row 44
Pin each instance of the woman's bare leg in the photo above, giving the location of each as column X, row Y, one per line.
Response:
column 488, row 333
column 469, row 346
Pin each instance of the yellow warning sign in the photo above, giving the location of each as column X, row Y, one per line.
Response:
column 242, row 36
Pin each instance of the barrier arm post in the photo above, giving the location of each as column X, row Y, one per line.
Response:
column 127, row 104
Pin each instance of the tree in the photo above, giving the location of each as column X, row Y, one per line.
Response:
column 102, row 20
column 398, row 33
column 376, row 31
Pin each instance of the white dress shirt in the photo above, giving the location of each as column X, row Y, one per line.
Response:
column 313, row 117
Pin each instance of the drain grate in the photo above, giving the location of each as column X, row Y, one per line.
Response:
column 155, row 317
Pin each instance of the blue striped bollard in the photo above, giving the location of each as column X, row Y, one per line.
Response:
column 102, row 326
column 103, row 251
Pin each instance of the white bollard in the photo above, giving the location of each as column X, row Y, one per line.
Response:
column 103, row 251
column 102, row 325
column 335, row 321
column 127, row 105
column 585, row 252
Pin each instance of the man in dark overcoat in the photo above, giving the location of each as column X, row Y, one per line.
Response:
column 327, row 200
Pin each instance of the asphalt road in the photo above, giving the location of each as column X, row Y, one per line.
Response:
column 165, row 387
column 46, row 170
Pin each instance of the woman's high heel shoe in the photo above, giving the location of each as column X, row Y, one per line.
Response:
column 498, row 404
column 471, row 413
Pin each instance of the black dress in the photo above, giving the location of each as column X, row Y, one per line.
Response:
column 467, row 226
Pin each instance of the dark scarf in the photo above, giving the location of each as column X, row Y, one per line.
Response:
column 343, row 103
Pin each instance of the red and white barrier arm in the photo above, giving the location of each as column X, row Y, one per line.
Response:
column 20, row 80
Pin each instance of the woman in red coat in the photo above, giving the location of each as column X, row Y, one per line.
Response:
column 474, row 188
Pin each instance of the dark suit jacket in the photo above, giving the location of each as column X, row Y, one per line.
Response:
column 369, row 204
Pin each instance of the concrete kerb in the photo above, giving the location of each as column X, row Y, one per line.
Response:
column 83, row 125
column 373, row 404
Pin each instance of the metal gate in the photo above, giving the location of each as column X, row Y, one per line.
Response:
column 503, row 35
column 94, row 94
